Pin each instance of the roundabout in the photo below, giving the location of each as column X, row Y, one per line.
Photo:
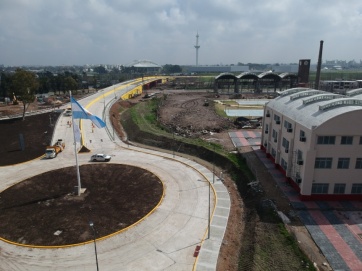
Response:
column 44, row 210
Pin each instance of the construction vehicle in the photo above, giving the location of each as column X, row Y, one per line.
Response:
column 52, row 151
column 15, row 100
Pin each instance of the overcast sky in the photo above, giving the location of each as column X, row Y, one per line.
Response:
column 77, row 32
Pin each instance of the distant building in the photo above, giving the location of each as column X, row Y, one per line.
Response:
column 338, row 86
column 215, row 69
column 314, row 138
column 144, row 66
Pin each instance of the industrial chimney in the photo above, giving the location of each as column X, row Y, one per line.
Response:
column 319, row 65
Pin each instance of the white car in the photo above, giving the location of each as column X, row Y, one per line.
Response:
column 68, row 113
column 100, row 157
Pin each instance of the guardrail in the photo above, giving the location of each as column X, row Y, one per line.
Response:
column 30, row 113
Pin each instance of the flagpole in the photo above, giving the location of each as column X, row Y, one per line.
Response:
column 75, row 146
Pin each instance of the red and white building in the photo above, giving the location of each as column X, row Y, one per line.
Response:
column 315, row 138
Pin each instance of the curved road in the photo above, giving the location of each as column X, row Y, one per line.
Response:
column 164, row 240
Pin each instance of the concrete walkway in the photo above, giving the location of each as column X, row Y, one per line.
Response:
column 336, row 227
column 165, row 240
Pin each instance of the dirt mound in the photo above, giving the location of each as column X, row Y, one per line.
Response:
column 192, row 114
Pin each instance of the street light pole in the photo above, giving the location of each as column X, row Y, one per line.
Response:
column 213, row 166
column 208, row 217
column 173, row 144
column 94, row 239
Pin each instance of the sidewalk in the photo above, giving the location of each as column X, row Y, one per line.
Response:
column 336, row 227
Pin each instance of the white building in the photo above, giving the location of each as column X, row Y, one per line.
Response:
column 315, row 138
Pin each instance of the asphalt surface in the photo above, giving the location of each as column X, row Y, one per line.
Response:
column 167, row 239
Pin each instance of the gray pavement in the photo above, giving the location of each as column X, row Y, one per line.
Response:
column 164, row 240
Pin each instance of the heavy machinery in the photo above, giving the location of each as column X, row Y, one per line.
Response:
column 52, row 151
column 15, row 100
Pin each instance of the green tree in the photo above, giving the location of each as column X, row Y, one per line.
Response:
column 168, row 68
column 70, row 83
column 100, row 70
column 25, row 85
column 5, row 85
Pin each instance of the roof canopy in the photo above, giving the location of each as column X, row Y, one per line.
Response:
column 143, row 64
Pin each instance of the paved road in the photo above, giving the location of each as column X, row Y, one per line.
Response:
column 165, row 240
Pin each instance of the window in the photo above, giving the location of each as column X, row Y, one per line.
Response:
column 360, row 140
column 298, row 178
column 266, row 128
column 277, row 119
column 285, row 143
column 326, row 140
column 320, row 188
column 339, row 188
column 275, row 135
column 358, row 163
column 273, row 152
column 356, row 188
column 323, row 162
column 288, row 126
column 299, row 157
column 302, row 137
column 347, row 140
column 343, row 163
column 284, row 164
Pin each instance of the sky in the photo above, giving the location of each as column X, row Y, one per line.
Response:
column 80, row 32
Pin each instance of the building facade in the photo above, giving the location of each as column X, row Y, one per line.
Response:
column 315, row 138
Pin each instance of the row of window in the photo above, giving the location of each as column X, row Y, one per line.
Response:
column 339, row 188
column 331, row 140
column 288, row 127
column 343, row 163
column 323, row 140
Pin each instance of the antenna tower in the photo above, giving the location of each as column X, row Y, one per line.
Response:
column 197, row 47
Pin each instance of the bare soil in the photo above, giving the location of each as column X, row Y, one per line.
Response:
column 116, row 196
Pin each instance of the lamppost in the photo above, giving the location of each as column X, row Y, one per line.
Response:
column 208, row 217
column 213, row 156
column 94, row 239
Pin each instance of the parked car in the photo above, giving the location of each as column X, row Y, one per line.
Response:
column 100, row 157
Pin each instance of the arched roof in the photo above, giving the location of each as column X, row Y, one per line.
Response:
column 225, row 75
column 288, row 75
column 247, row 75
column 311, row 108
column 269, row 75
column 143, row 64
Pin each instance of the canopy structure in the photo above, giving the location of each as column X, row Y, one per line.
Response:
column 251, row 82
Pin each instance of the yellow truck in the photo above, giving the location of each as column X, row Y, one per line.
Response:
column 52, row 151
